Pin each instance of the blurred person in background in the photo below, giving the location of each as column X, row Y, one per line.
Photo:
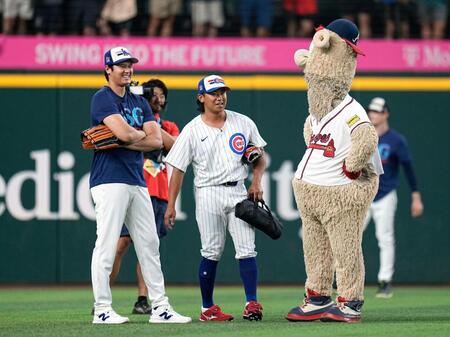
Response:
column 397, row 15
column 81, row 16
column 162, row 14
column 48, row 17
column 394, row 153
column 358, row 11
column 257, row 13
column 16, row 13
column 156, row 179
column 301, row 15
column 116, row 17
column 433, row 18
column 207, row 17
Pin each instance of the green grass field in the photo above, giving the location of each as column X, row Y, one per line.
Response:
column 65, row 311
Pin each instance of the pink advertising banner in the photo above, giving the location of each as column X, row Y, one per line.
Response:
column 224, row 54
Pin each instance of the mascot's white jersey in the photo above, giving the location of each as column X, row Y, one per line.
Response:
column 215, row 153
column 330, row 144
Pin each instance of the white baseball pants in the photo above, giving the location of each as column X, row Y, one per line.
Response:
column 383, row 214
column 214, row 211
column 115, row 205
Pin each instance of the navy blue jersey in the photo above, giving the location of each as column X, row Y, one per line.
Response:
column 118, row 165
column 394, row 152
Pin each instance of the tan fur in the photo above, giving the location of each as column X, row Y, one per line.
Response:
column 307, row 130
column 364, row 144
column 324, row 94
column 329, row 74
column 332, row 219
column 332, row 216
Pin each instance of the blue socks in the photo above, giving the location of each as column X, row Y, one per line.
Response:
column 249, row 276
column 207, row 277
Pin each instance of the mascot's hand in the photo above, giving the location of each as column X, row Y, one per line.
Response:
column 350, row 175
column 300, row 58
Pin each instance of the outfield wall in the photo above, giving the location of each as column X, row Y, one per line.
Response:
column 46, row 214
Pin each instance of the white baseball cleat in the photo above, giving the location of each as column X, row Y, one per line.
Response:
column 109, row 316
column 165, row 314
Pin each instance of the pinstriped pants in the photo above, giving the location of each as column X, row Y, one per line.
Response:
column 214, row 209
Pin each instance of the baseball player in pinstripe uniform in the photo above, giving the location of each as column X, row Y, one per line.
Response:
column 214, row 143
column 119, row 191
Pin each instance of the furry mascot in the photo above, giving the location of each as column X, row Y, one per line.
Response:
column 337, row 178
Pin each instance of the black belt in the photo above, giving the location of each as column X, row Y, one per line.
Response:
column 230, row 183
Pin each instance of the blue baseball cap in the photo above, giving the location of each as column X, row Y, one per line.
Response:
column 118, row 55
column 348, row 31
column 210, row 84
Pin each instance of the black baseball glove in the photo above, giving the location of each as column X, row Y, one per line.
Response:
column 258, row 215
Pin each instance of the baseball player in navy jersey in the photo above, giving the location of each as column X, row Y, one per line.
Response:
column 155, row 176
column 119, row 191
column 214, row 143
column 394, row 152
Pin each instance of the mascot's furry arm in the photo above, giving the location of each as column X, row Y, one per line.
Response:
column 364, row 144
column 307, row 130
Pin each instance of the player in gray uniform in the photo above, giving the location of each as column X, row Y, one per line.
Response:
column 214, row 143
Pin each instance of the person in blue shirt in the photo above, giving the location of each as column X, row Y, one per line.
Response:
column 119, row 191
column 394, row 153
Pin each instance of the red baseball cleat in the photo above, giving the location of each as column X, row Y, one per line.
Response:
column 253, row 311
column 214, row 313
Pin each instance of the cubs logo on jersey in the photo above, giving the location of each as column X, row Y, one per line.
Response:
column 238, row 143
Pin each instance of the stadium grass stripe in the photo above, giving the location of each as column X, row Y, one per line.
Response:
column 65, row 311
column 241, row 82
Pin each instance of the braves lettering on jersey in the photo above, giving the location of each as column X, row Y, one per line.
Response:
column 215, row 153
column 119, row 165
column 330, row 144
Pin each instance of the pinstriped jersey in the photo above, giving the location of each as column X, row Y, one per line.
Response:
column 330, row 144
column 215, row 153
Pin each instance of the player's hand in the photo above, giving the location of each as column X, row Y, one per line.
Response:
column 416, row 205
column 169, row 217
column 255, row 192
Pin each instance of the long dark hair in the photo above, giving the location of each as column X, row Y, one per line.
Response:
column 155, row 83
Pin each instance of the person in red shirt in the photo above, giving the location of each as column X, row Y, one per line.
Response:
column 301, row 15
column 155, row 175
